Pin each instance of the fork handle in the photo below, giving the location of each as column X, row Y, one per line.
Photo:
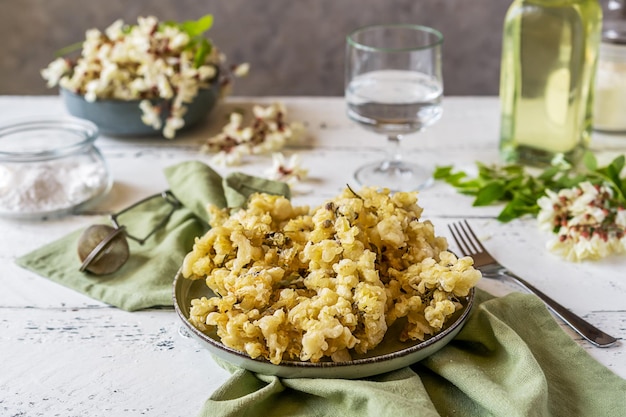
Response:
column 594, row 335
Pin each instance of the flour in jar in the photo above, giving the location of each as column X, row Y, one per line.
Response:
column 49, row 186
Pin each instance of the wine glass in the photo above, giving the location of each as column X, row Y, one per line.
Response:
column 394, row 86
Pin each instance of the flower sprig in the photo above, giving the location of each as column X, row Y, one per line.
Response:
column 584, row 208
column 267, row 131
column 515, row 186
column 588, row 220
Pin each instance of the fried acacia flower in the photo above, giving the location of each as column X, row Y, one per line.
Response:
column 296, row 284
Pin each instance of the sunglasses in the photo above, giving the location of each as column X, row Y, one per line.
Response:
column 104, row 249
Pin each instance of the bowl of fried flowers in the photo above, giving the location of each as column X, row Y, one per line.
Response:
column 149, row 78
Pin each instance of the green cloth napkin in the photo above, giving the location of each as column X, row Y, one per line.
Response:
column 146, row 279
column 510, row 359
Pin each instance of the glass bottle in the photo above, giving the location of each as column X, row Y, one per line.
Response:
column 609, row 114
column 549, row 56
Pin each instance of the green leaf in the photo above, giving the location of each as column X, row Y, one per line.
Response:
column 617, row 165
column 490, row 193
column 201, row 53
column 470, row 186
column 513, row 170
column 195, row 28
column 508, row 213
column 613, row 173
column 590, row 161
column 456, row 179
column 549, row 173
column 442, row 172
column 519, row 206
column 69, row 49
column 485, row 171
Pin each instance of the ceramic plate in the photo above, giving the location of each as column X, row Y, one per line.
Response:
column 390, row 355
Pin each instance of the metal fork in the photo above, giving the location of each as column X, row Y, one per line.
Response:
column 468, row 243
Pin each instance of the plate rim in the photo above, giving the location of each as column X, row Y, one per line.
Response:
column 311, row 369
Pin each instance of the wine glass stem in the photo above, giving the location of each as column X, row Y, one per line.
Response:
column 395, row 152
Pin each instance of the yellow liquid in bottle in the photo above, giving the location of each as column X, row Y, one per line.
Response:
column 548, row 64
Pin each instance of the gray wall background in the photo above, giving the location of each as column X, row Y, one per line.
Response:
column 295, row 47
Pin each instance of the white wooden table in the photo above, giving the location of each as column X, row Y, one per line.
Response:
column 65, row 354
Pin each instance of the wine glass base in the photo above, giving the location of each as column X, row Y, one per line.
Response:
column 395, row 175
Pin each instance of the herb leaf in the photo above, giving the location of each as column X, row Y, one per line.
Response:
column 69, row 49
column 195, row 28
column 514, row 185
column 203, row 50
column 490, row 193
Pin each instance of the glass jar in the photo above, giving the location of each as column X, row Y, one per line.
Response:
column 549, row 56
column 49, row 167
column 609, row 114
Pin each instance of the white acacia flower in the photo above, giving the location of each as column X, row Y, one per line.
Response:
column 151, row 114
column 104, row 53
column 560, row 161
column 576, row 247
column 114, row 31
column 138, row 45
column 108, row 74
column 287, row 170
column 241, row 70
column 91, row 90
column 207, row 72
column 267, row 132
column 177, row 39
column 547, row 213
column 230, row 158
column 172, row 124
column 92, row 43
column 145, row 25
column 55, row 71
column 620, row 218
column 235, row 121
column 137, row 86
column 164, row 87
column 268, row 112
column 582, row 198
column 588, row 222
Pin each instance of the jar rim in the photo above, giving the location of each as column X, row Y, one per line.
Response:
column 77, row 134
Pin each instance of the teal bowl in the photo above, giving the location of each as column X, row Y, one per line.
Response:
column 123, row 117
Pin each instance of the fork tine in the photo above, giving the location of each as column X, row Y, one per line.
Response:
column 475, row 240
column 458, row 238
column 461, row 234
column 454, row 232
